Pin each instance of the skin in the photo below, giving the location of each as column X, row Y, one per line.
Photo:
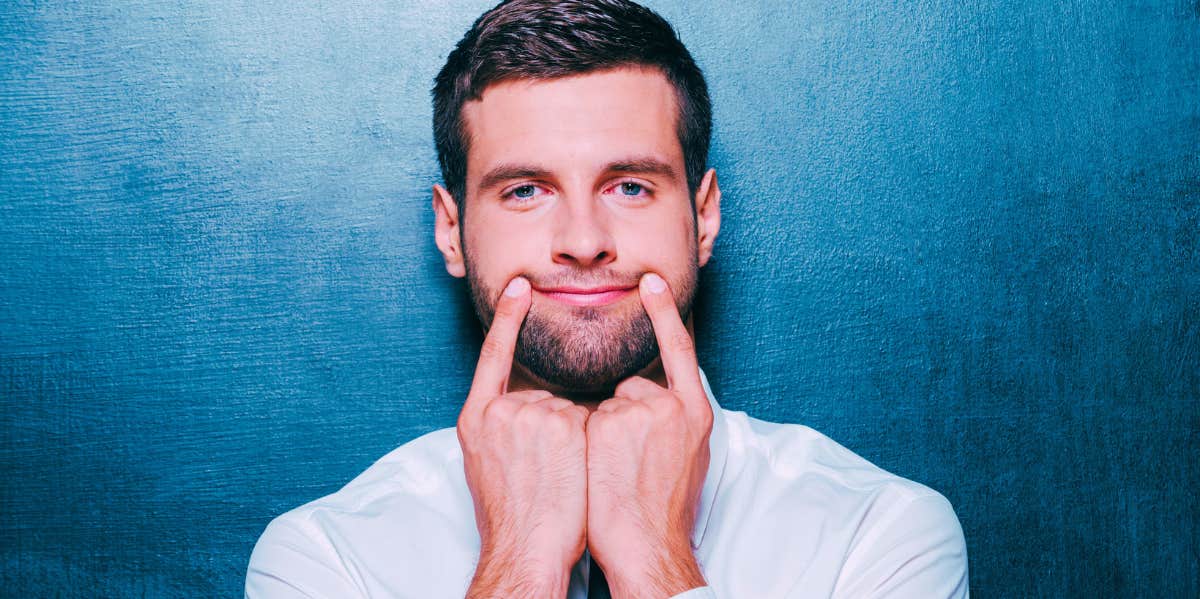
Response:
column 610, row 450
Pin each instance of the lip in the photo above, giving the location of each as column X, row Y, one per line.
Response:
column 582, row 296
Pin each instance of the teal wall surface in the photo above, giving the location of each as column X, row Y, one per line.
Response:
column 960, row 238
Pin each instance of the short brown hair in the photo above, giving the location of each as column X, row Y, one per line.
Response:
column 544, row 39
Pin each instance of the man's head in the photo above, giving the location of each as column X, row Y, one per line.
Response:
column 576, row 136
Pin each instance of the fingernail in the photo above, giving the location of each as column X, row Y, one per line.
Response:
column 654, row 283
column 516, row 287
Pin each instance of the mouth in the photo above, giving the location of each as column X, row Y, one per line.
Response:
column 588, row 297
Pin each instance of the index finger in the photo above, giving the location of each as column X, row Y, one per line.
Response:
column 496, row 353
column 674, row 342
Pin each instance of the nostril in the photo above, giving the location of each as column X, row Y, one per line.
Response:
column 584, row 258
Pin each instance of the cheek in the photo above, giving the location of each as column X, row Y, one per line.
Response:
column 499, row 251
column 660, row 242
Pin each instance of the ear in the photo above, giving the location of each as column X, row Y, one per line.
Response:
column 708, row 216
column 446, row 231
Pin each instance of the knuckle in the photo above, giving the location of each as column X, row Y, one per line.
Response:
column 667, row 406
column 555, row 404
column 597, row 420
column 630, row 384
column 611, row 404
column 530, row 396
column 465, row 423
column 492, row 348
column 529, row 415
column 565, row 422
column 499, row 409
column 645, row 408
column 681, row 341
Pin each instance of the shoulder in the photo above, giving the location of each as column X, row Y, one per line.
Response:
column 883, row 527
column 800, row 458
column 412, row 496
column 422, row 469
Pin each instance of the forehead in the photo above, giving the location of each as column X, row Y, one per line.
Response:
column 574, row 122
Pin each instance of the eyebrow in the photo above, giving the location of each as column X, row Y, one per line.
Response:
column 508, row 172
column 646, row 165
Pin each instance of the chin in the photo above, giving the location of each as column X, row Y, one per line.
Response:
column 587, row 353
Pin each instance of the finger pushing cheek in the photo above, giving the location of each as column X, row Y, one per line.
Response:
column 674, row 341
column 656, row 297
column 496, row 353
column 515, row 298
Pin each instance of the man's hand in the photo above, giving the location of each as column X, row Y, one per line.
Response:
column 647, row 457
column 524, row 454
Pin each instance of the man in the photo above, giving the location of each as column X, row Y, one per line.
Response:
column 590, row 455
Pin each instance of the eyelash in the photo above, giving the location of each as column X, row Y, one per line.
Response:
column 619, row 184
column 511, row 194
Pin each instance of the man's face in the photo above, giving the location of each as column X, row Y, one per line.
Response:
column 578, row 184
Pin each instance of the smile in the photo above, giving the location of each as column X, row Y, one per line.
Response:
column 599, row 296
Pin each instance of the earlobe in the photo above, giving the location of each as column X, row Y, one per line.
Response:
column 446, row 231
column 708, row 216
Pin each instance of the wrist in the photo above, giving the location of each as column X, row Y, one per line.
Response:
column 511, row 570
column 508, row 574
column 666, row 573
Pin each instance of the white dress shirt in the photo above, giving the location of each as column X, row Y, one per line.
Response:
column 785, row 512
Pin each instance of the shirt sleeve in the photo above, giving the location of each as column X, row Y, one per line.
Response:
column 696, row 593
column 919, row 553
column 288, row 562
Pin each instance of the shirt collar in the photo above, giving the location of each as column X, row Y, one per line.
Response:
column 718, row 446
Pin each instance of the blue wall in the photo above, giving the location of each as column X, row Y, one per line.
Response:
column 959, row 239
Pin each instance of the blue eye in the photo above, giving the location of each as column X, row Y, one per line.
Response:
column 524, row 194
column 630, row 188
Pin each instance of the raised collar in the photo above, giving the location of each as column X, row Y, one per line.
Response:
column 718, row 447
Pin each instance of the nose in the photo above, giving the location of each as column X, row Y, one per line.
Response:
column 582, row 237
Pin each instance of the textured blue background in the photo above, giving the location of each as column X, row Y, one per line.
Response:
column 960, row 239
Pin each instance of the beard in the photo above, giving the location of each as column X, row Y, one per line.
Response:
column 584, row 349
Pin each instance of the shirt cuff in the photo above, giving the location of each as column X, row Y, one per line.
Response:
column 696, row 593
